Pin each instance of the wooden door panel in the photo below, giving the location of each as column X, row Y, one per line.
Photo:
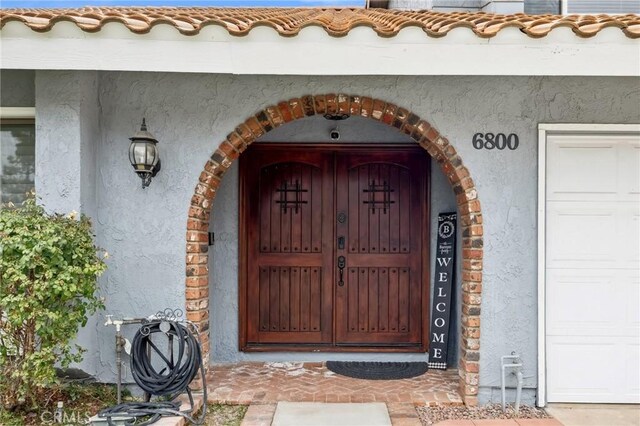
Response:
column 289, row 209
column 290, row 302
column 381, row 301
column 290, row 206
column 377, row 226
column 378, row 305
column 378, row 308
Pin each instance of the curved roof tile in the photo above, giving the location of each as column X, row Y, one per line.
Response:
column 336, row 22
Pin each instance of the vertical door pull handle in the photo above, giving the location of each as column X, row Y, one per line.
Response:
column 341, row 264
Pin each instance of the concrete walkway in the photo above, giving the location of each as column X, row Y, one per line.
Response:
column 322, row 414
column 398, row 414
column 596, row 414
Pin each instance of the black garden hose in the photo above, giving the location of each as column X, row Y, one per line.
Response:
column 170, row 381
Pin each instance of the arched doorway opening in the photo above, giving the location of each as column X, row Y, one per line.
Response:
column 438, row 147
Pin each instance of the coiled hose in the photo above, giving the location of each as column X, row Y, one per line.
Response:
column 172, row 380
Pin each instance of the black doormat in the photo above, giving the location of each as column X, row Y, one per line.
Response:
column 378, row 370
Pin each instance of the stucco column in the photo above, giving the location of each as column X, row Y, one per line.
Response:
column 67, row 133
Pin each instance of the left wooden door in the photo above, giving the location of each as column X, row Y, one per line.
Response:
column 289, row 262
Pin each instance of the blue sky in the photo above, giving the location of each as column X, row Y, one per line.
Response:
column 218, row 3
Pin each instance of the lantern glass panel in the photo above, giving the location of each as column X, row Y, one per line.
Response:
column 156, row 155
column 140, row 153
column 132, row 159
column 150, row 154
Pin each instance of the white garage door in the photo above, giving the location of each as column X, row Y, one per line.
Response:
column 593, row 268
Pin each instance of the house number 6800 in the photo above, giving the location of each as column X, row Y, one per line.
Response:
column 495, row 141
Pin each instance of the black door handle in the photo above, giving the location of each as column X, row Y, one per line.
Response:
column 341, row 264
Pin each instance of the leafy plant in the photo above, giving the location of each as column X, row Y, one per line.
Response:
column 49, row 267
column 80, row 399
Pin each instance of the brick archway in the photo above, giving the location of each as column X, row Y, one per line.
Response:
column 197, row 273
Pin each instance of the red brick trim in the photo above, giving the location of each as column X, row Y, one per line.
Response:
column 197, row 272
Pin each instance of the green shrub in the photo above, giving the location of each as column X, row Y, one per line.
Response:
column 49, row 267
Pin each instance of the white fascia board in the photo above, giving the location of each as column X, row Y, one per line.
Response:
column 541, row 395
column 314, row 52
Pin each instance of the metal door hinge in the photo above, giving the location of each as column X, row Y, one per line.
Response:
column 212, row 238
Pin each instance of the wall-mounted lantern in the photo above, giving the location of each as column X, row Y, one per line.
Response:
column 144, row 155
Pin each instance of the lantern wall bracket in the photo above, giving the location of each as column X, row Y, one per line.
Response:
column 146, row 177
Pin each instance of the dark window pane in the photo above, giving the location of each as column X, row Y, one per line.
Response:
column 603, row 6
column 17, row 161
column 542, row 7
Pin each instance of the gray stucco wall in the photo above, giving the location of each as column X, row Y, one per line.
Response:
column 17, row 88
column 144, row 230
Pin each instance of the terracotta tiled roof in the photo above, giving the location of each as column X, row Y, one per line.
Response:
column 336, row 22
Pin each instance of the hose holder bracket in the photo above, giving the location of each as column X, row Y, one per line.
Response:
column 514, row 364
column 169, row 376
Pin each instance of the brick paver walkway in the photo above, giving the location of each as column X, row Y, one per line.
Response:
column 268, row 383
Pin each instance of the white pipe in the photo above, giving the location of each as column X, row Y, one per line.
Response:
column 518, row 390
column 516, row 365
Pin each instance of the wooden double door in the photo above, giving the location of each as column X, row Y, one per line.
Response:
column 334, row 248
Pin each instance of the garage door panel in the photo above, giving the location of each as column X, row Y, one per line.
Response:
column 586, row 371
column 626, row 236
column 630, row 170
column 589, row 226
column 567, row 376
column 631, row 356
column 571, row 166
column 597, row 304
column 595, row 234
column 633, row 303
column 631, row 248
column 592, row 279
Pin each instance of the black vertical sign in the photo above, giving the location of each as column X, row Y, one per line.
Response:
column 444, row 270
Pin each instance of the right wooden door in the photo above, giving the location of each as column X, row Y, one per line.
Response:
column 381, row 282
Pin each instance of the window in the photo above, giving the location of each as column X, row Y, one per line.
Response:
column 17, row 158
column 601, row 6
column 542, row 7
column 538, row 7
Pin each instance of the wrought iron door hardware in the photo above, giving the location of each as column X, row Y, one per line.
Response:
column 285, row 189
column 375, row 204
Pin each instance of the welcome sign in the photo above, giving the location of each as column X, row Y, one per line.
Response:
column 444, row 270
